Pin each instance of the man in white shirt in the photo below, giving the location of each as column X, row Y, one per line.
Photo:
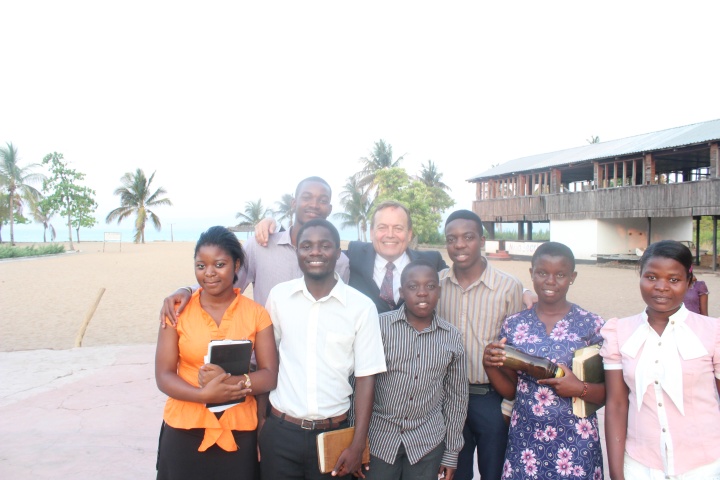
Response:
column 325, row 331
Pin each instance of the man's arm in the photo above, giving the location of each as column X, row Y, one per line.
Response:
column 264, row 229
column 351, row 458
column 529, row 298
column 174, row 304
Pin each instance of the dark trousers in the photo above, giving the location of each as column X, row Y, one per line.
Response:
column 425, row 469
column 290, row 452
column 485, row 429
column 179, row 459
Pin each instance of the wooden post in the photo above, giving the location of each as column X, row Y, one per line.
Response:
column 714, row 160
column 625, row 173
column 605, row 176
column 648, row 169
column 715, row 239
column 615, row 172
column 88, row 317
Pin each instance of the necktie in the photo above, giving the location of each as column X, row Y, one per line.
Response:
column 386, row 289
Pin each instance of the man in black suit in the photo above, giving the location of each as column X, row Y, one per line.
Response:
column 375, row 267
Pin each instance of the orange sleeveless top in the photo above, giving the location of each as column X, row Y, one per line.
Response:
column 195, row 328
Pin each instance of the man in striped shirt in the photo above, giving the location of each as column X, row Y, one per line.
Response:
column 421, row 401
column 476, row 298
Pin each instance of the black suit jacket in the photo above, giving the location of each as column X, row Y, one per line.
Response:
column 362, row 265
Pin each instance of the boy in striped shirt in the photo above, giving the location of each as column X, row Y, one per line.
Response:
column 421, row 401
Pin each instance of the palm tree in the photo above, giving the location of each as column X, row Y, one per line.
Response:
column 254, row 212
column 135, row 198
column 381, row 157
column 285, row 209
column 355, row 199
column 41, row 213
column 431, row 177
column 16, row 181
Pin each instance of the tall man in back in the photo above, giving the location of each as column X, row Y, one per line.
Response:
column 375, row 268
column 266, row 267
column 476, row 298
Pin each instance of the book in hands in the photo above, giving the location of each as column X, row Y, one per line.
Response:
column 331, row 444
column 587, row 366
column 233, row 356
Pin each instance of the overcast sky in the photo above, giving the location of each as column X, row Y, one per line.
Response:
column 234, row 101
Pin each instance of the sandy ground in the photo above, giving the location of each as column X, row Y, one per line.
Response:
column 45, row 300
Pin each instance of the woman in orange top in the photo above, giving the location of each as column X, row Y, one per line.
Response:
column 195, row 442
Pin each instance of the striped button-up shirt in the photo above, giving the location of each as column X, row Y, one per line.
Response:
column 421, row 401
column 478, row 311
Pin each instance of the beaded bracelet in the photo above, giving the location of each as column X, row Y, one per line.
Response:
column 585, row 389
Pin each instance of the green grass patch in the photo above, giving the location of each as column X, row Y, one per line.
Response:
column 7, row 251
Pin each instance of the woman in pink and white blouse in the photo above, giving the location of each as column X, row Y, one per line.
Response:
column 662, row 375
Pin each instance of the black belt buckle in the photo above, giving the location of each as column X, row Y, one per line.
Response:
column 311, row 424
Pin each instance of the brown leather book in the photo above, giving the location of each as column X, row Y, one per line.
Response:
column 331, row 444
column 588, row 367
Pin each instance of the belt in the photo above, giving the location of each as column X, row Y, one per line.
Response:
column 306, row 424
column 480, row 388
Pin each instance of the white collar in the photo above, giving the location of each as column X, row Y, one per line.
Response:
column 660, row 357
column 400, row 263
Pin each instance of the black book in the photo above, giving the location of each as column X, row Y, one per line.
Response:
column 234, row 357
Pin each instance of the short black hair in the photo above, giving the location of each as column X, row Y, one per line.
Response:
column 320, row 222
column 465, row 215
column 416, row 264
column 224, row 239
column 312, row 179
column 669, row 249
column 553, row 249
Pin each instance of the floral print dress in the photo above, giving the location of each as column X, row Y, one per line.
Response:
column 546, row 440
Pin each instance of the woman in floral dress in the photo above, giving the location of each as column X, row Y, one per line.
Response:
column 546, row 440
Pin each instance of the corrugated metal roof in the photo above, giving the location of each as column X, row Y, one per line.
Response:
column 673, row 137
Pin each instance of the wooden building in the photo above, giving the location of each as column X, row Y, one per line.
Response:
column 611, row 197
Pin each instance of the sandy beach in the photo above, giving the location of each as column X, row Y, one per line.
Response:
column 55, row 293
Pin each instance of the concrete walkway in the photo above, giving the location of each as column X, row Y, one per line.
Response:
column 84, row 413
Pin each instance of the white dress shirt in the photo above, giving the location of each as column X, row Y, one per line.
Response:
column 320, row 343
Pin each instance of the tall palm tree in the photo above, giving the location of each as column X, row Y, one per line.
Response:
column 135, row 198
column 381, row 157
column 254, row 212
column 17, row 182
column 431, row 177
column 284, row 210
column 42, row 213
column 355, row 199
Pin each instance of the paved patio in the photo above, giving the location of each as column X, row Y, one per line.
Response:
column 84, row 413
column 91, row 412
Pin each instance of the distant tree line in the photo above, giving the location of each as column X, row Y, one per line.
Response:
column 380, row 178
column 27, row 195
column 62, row 193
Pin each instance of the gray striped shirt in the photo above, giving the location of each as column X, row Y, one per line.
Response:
column 478, row 311
column 421, row 401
